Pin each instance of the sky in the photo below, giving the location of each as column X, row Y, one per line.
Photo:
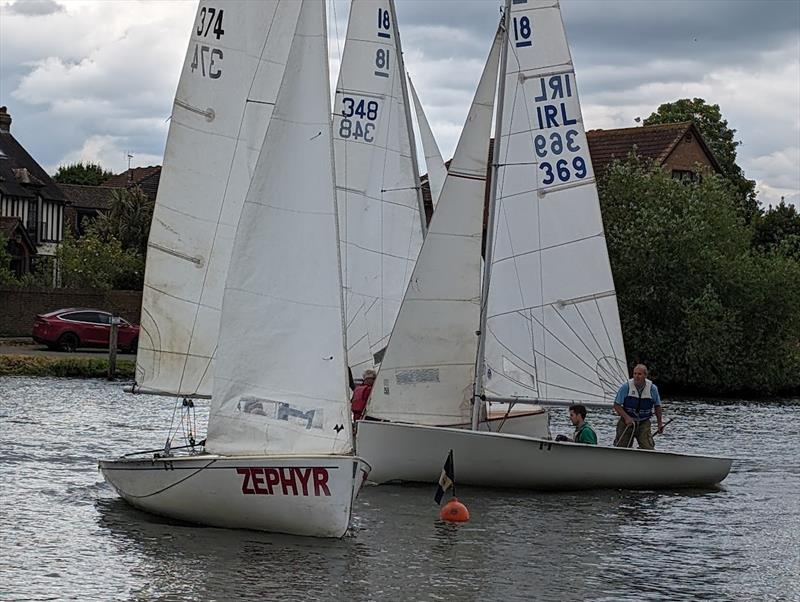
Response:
column 94, row 80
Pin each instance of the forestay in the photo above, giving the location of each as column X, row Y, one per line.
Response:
column 280, row 376
column 433, row 156
column 553, row 329
column 427, row 373
column 376, row 178
column 225, row 95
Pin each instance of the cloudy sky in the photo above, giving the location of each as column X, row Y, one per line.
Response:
column 93, row 80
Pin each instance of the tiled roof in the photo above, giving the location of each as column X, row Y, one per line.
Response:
column 146, row 178
column 654, row 142
column 88, row 197
column 21, row 175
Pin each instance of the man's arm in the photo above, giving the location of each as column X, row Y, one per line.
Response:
column 660, row 419
column 659, row 413
column 623, row 414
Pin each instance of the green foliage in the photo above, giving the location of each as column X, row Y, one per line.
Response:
column 697, row 304
column 91, row 262
column 778, row 230
column 24, row 365
column 720, row 139
column 128, row 220
column 6, row 276
column 87, row 174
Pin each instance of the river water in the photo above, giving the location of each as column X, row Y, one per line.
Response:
column 64, row 534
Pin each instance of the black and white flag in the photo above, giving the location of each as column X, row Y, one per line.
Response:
column 447, row 480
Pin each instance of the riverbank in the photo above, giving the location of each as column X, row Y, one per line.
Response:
column 75, row 367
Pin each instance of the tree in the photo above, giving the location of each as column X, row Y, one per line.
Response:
column 720, row 139
column 697, row 303
column 127, row 221
column 87, row 174
column 778, row 230
column 6, row 276
column 91, row 262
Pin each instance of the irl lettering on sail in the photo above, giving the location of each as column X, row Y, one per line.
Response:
column 551, row 114
column 285, row 481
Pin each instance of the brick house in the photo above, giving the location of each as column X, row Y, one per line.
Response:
column 677, row 147
column 144, row 178
column 28, row 194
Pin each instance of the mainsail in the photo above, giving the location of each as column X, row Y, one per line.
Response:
column 377, row 182
column 433, row 156
column 552, row 328
column 230, row 78
column 427, row 373
column 280, row 385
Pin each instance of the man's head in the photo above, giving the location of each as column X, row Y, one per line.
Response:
column 368, row 376
column 577, row 414
column 639, row 375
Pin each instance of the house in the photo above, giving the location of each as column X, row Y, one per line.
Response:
column 86, row 203
column 28, row 193
column 144, row 178
column 677, row 147
column 18, row 244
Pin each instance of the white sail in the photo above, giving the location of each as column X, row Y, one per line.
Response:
column 230, row 77
column 279, row 382
column 553, row 329
column 427, row 373
column 376, row 179
column 433, row 156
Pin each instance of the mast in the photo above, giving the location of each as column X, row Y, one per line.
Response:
column 477, row 402
column 402, row 70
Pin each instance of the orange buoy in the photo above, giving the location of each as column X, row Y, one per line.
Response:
column 454, row 512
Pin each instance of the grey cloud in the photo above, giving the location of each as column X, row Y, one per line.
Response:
column 35, row 8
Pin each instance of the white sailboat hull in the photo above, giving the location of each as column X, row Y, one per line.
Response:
column 414, row 453
column 298, row 495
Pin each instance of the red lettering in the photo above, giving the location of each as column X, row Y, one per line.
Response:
column 246, row 482
column 287, row 481
column 321, row 481
column 304, row 475
column 258, row 480
column 273, row 478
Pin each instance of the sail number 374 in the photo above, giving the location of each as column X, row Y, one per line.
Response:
column 206, row 60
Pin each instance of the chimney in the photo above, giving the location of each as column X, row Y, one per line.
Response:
column 5, row 121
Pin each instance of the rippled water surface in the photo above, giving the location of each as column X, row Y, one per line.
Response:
column 64, row 534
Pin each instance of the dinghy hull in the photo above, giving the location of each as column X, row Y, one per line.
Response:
column 414, row 453
column 298, row 495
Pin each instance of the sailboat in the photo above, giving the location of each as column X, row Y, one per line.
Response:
column 437, row 171
column 279, row 452
column 381, row 211
column 549, row 329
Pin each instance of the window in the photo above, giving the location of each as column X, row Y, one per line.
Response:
column 82, row 316
column 685, row 175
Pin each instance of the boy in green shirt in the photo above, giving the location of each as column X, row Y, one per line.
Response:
column 584, row 433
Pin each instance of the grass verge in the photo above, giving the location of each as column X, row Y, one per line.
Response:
column 27, row 365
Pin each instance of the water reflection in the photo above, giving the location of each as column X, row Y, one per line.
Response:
column 64, row 534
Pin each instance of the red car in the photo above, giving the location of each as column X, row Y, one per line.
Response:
column 68, row 329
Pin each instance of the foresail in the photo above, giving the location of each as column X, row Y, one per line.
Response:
column 376, row 180
column 433, row 156
column 553, row 329
column 230, row 78
column 279, row 383
column 427, row 373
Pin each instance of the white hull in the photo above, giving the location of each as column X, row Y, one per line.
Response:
column 405, row 452
column 298, row 495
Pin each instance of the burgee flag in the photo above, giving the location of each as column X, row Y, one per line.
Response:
column 447, row 480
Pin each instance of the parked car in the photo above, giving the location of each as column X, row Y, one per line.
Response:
column 68, row 329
